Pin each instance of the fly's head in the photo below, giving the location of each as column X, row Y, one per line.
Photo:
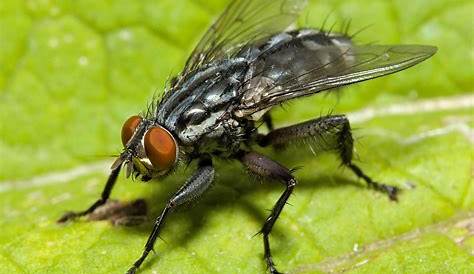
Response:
column 150, row 150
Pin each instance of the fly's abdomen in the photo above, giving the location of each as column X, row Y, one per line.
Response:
column 291, row 57
column 298, row 54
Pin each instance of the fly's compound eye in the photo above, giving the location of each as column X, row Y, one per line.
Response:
column 129, row 128
column 160, row 148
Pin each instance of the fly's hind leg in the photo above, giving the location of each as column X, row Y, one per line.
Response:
column 329, row 132
column 265, row 167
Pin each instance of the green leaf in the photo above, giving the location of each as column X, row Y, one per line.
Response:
column 72, row 71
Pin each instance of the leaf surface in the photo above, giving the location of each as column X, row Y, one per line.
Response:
column 72, row 71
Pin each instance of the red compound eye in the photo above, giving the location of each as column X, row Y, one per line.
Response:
column 129, row 128
column 160, row 148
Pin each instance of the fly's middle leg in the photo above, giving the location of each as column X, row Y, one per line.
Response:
column 265, row 167
column 328, row 133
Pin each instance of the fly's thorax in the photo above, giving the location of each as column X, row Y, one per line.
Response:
column 150, row 150
column 198, row 112
column 207, row 85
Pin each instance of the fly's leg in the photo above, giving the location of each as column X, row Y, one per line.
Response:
column 329, row 132
column 101, row 201
column 193, row 188
column 265, row 167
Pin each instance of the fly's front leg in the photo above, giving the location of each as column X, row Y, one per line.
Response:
column 103, row 197
column 329, row 132
column 265, row 167
column 193, row 188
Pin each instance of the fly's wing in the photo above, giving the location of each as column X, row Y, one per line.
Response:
column 307, row 70
column 243, row 22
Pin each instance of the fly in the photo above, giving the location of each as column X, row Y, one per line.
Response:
column 247, row 63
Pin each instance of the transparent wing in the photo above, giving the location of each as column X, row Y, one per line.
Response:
column 309, row 71
column 243, row 22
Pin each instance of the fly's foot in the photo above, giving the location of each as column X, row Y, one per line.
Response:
column 271, row 266
column 274, row 271
column 68, row 216
column 132, row 270
column 391, row 191
column 138, row 262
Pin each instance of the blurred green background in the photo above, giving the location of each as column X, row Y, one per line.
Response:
column 72, row 71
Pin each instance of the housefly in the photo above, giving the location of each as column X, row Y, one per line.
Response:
column 247, row 63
